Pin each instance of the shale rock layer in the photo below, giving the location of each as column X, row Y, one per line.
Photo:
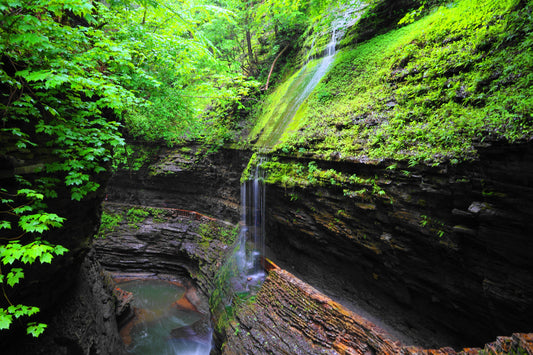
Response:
column 443, row 251
column 290, row 317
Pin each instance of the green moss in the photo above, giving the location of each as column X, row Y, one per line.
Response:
column 280, row 107
column 135, row 216
column 290, row 174
column 215, row 231
column 429, row 92
column 132, row 157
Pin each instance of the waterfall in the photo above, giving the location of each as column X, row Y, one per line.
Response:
column 243, row 274
column 307, row 79
column 251, row 243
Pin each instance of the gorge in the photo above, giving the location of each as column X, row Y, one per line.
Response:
column 427, row 304
column 378, row 199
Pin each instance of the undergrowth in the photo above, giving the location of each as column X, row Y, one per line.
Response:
column 291, row 174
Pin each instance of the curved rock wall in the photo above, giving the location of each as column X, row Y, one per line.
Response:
column 441, row 256
column 290, row 317
column 166, row 241
column 444, row 256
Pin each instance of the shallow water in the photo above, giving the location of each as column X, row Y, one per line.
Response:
column 157, row 319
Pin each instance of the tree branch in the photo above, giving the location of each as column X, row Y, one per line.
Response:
column 273, row 64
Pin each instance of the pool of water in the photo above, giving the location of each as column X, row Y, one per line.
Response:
column 162, row 326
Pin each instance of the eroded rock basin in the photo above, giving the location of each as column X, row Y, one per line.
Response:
column 166, row 316
column 287, row 315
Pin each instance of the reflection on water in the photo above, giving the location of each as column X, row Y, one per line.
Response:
column 162, row 326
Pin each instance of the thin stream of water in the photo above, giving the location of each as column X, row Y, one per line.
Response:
column 295, row 95
column 251, row 243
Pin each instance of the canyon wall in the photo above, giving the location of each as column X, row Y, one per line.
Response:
column 185, row 178
column 291, row 317
column 169, row 241
column 437, row 261
column 444, row 255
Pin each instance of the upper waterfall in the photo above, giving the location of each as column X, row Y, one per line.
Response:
column 290, row 96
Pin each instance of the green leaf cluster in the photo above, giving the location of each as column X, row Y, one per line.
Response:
column 61, row 93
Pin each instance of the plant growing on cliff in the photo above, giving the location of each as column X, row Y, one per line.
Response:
column 108, row 222
column 31, row 220
column 430, row 92
column 136, row 216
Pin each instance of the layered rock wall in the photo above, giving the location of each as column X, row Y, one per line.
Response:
column 443, row 255
column 184, row 179
column 167, row 241
column 290, row 317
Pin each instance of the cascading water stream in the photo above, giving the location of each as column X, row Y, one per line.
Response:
column 251, row 243
column 243, row 273
column 307, row 80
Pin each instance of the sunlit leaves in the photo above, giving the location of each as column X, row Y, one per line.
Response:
column 5, row 319
column 18, row 311
column 60, row 88
column 38, row 250
column 21, row 310
column 40, row 222
column 14, row 276
column 5, row 225
column 35, row 329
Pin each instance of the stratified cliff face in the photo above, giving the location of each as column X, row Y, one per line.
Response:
column 439, row 259
column 168, row 241
column 184, row 178
column 444, row 255
column 290, row 317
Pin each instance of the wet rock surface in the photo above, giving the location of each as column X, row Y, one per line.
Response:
column 290, row 317
column 443, row 256
column 169, row 242
column 185, row 179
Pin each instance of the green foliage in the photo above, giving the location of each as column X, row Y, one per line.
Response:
column 290, row 174
column 35, row 329
column 429, row 92
column 108, row 223
column 433, row 225
column 411, row 16
column 59, row 74
column 135, row 216
column 185, row 81
column 215, row 231
column 133, row 158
